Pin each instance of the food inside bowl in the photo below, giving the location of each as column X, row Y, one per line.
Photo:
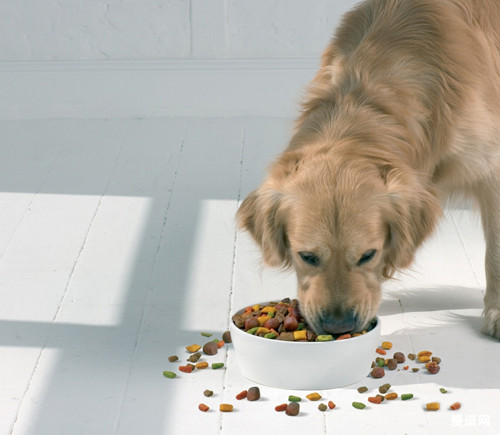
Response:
column 283, row 321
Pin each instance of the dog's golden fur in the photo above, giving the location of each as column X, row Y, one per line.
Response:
column 403, row 114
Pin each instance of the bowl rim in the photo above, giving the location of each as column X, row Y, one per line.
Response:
column 303, row 343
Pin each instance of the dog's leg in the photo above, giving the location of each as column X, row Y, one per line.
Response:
column 489, row 199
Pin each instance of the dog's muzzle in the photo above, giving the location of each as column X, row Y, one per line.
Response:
column 333, row 324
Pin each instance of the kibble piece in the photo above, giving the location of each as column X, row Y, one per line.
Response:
column 314, row 396
column 226, row 407
column 380, row 351
column 251, row 323
column 375, row 399
column 186, row 369
column 331, row 405
column 202, row 365
column 391, row 396
column 384, row 388
column 411, row 356
column 206, row 334
column 324, row 337
column 281, row 407
column 322, row 407
column 168, row 374
column 227, row 337
column 436, row 359
column 392, row 363
column 217, row 365
column 424, row 356
column 433, row 368
column 378, row 372
column 379, row 361
column 208, row 393
column 203, row 407
column 358, row 405
column 399, row 357
column 193, row 348
column 362, row 389
column 242, row 395
column 455, row 406
column 294, row 398
column 173, row 358
column 210, row 348
column 293, row 409
column 432, row 406
column 253, row 394
column 386, row 345
column 443, row 390
column 415, row 369
column 194, row 357
column 406, row 396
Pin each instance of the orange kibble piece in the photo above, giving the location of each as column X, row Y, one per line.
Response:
column 331, row 405
column 203, row 407
column 344, row 336
column 455, row 406
column 226, row 407
column 386, row 345
column 202, row 365
column 380, row 351
column 391, row 396
column 375, row 399
column 432, row 406
column 281, row 407
column 193, row 348
column 220, row 343
column 242, row 395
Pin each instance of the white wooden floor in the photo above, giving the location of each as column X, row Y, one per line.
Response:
column 118, row 247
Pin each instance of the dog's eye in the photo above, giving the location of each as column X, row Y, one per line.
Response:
column 366, row 257
column 309, row 258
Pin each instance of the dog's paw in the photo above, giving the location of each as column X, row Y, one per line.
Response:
column 492, row 322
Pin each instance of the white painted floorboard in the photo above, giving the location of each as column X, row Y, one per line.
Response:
column 118, row 247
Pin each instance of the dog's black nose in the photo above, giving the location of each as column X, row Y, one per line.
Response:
column 338, row 324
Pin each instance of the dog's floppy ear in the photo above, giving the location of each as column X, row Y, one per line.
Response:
column 263, row 214
column 413, row 210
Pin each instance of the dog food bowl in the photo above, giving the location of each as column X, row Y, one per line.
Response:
column 305, row 365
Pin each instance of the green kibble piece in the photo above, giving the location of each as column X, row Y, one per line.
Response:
column 173, row 358
column 216, row 340
column 380, row 362
column 217, row 365
column 324, row 338
column 362, row 389
column 206, row 334
column 208, row 393
column 301, row 326
column 443, row 390
column 253, row 330
column 322, row 407
column 294, row 398
column 168, row 374
column 270, row 335
column 358, row 405
column 407, row 396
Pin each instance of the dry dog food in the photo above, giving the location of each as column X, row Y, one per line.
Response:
column 362, row 389
column 432, row 367
column 173, row 358
column 242, row 395
column 455, row 406
column 358, row 405
column 391, row 396
column 294, row 398
column 331, row 405
column 226, row 337
column 281, row 407
column 168, row 374
column 378, row 372
column 210, row 348
column 208, row 393
column 226, row 407
column 282, row 321
column 399, row 357
column 406, row 396
column 217, row 365
column 314, row 396
column 292, row 409
column 432, row 406
column 375, row 399
column 384, row 388
column 322, row 407
column 253, row 394
column 203, row 407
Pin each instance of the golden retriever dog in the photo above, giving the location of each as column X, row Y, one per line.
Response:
column 403, row 114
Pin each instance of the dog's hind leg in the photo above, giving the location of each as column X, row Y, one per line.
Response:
column 489, row 200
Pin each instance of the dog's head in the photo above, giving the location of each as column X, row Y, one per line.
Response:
column 345, row 225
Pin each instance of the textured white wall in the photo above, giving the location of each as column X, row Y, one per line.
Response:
column 166, row 29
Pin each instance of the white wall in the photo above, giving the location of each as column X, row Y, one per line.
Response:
column 166, row 29
column 138, row 58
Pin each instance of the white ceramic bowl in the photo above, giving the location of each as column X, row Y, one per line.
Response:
column 305, row 365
